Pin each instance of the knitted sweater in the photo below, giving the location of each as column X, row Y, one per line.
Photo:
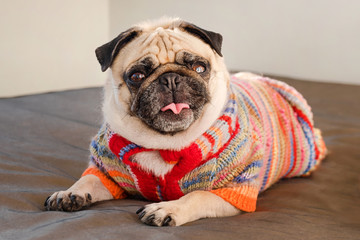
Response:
column 265, row 133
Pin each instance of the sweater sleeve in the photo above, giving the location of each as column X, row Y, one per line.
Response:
column 100, row 154
column 116, row 191
column 242, row 196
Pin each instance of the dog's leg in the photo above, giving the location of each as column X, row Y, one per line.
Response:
column 193, row 206
column 87, row 190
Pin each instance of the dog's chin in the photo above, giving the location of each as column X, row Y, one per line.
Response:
column 168, row 122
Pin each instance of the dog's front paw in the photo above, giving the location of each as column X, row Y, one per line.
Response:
column 161, row 214
column 67, row 201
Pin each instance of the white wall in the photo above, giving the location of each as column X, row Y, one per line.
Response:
column 316, row 40
column 49, row 45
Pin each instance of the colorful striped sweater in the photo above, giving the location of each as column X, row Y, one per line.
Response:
column 264, row 133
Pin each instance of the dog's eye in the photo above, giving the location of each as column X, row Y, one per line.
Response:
column 198, row 68
column 137, row 77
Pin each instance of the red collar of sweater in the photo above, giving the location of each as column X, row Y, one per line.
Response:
column 124, row 149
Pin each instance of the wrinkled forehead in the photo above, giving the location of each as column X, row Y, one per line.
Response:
column 162, row 46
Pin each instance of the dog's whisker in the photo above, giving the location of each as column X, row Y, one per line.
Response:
column 126, row 115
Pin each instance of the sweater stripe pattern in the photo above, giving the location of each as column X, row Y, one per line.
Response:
column 265, row 133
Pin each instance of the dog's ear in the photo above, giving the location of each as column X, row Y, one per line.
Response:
column 212, row 38
column 107, row 52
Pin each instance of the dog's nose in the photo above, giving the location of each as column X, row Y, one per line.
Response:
column 170, row 80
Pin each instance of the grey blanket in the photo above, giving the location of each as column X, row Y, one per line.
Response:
column 44, row 148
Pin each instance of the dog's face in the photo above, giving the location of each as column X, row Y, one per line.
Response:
column 163, row 73
column 168, row 96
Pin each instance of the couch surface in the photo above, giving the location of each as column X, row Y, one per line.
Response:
column 44, row 148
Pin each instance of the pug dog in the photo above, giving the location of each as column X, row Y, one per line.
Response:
column 181, row 132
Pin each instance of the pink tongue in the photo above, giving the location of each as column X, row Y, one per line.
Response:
column 175, row 107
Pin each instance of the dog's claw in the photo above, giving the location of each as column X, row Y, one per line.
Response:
column 89, row 197
column 150, row 219
column 46, row 201
column 58, row 201
column 142, row 214
column 166, row 221
column 72, row 198
column 140, row 210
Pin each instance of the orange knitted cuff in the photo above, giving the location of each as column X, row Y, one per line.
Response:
column 243, row 198
column 116, row 191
